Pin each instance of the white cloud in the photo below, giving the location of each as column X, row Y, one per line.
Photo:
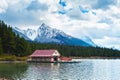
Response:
column 3, row 6
column 105, row 21
column 109, row 42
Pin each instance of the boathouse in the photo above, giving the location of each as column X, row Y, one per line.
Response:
column 45, row 56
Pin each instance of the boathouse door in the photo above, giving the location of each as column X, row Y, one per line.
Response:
column 55, row 58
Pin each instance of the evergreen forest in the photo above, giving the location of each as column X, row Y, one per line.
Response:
column 13, row 44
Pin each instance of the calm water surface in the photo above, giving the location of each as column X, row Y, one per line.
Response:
column 88, row 69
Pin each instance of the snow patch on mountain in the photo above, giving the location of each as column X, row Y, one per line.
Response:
column 17, row 29
column 88, row 40
column 46, row 34
column 30, row 33
column 20, row 32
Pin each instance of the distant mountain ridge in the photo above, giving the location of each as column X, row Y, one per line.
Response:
column 46, row 34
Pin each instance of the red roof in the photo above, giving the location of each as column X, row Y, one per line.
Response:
column 42, row 53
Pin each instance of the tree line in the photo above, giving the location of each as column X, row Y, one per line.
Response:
column 10, row 43
column 13, row 44
column 77, row 51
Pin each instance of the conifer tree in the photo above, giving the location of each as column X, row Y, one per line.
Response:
column 1, row 50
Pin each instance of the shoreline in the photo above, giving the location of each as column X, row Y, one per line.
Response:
column 13, row 61
column 7, row 61
column 25, row 61
column 95, row 57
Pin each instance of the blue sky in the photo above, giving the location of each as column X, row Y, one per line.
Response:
column 98, row 19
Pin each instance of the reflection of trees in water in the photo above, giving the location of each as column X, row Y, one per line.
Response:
column 12, row 71
column 45, row 71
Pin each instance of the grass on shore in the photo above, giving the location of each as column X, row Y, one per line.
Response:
column 12, row 58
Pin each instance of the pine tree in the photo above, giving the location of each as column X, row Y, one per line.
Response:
column 1, row 49
column 10, row 41
column 4, row 36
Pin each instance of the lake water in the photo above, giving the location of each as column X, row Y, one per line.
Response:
column 87, row 69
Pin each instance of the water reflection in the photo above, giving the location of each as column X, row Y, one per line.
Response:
column 106, row 69
column 12, row 71
column 42, row 70
column 34, row 71
column 96, row 69
column 59, row 71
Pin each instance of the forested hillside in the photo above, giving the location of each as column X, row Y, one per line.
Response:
column 78, row 51
column 10, row 43
column 13, row 44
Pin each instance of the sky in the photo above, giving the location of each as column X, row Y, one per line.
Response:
column 97, row 19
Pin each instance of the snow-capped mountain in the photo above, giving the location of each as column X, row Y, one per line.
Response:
column 21, row 33
column 30, row 33
column 88, row 40
column 46, row 34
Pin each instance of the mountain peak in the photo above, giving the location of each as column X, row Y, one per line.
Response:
column 46, row 34
column 44, row 26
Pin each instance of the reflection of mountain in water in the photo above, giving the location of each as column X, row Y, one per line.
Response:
column 12, row 71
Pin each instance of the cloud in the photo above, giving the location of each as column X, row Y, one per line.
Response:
column 109, row 42
column 3, row 6
column 62, row 12
column 83, row 10
column 62, row 3
column 94, row 13
column 100, row 20
column 36, row 5
column 105, row 4
column 20, row 14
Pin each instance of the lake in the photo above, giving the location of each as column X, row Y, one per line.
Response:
column 87, row 69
